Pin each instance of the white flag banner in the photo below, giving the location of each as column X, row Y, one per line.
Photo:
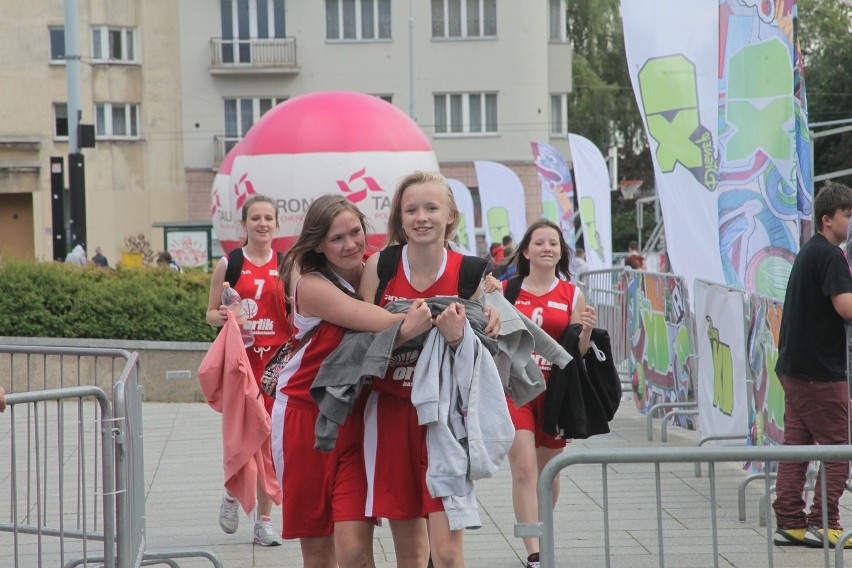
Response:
column 591, row 180
column 466, row 234
column 722, row 392
column 501, row 198
column 672, row 51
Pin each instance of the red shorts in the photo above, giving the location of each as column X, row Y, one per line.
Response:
column 531, row 417
column 318, row 488
column 396, row 460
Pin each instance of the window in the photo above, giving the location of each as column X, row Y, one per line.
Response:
column 247, row 20
column 559, row 115
column 464, row 18
column 60, row 120
column 116, row 120
column 465, row 113
column 114, row 44
column 241, row 114
column 57, row 43
column 557, row 16
column 357, row 19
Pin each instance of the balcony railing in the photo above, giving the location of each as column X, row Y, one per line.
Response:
column 273, row 55
column 223, row 145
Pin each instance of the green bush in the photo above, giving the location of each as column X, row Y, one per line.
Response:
column 66, row 301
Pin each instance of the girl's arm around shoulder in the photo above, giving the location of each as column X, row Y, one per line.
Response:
column 317, row 297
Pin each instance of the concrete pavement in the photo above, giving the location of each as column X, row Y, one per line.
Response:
column 183, row 475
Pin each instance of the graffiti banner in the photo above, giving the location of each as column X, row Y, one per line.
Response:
column 557, row 189
column 764, row 155
column 501, row 197
column 466, row 236
column 720, row 340
column 659, row 340
column 672, row 58
column 766, row 417
column 720, row 87
column 593, row 197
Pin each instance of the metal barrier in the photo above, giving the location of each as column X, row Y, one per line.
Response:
column 544, row 529
column 102, row 497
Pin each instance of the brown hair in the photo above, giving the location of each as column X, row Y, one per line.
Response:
column 523, row 264
column 396, row 234
column 303, row 255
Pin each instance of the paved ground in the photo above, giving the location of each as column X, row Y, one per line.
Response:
column 183, row 470
column 183, row 477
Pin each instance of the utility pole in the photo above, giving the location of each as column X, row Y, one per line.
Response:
column 76, row 167
column 411, row 99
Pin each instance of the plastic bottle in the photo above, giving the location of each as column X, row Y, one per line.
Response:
column 231, row 300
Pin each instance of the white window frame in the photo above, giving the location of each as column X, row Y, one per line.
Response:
column 56, row 108
column 558, row 123
column 255, row 108
column 50, row 30
column 359, row 20
column 561, row 9
column 459, row 114
column 445, row 32
column 102, row 51
column 105, row 126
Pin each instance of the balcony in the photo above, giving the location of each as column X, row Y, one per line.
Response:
column 222, row 145
column 256, row 56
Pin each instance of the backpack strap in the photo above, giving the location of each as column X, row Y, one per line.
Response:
column 386, row 268
column 513, row 288
column 235, row 266
column 470, row 275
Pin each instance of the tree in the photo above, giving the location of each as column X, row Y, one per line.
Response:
column 825, row 37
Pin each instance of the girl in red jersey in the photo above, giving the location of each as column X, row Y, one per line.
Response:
column 552, row 302
column 423, row 218
column 324, row 493
column 260, row 289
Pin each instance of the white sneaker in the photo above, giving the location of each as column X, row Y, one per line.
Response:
column 229, row 519
column 264, row 534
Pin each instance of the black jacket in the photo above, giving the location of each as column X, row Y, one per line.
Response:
column 582, row 398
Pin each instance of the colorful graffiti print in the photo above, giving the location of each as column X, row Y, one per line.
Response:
column 660, row 344
column 766, row 416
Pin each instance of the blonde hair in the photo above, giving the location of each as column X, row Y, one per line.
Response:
column 396, row 234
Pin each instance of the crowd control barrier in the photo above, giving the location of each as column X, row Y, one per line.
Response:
column 72, row 462
column 654, row 458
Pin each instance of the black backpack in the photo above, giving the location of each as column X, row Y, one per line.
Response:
column 470, row 275
column 235, row 265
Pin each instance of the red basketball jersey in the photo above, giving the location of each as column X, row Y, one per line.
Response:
column 262, row 294
column 550, row 311
column 397, row 380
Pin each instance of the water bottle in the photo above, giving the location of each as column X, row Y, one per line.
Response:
column 231, row 300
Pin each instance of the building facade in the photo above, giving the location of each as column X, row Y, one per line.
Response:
column 130, row 92
column 171, row 85
column 482, row 78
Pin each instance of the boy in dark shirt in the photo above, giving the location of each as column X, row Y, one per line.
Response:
column 812, row 369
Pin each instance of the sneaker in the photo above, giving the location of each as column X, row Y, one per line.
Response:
column 264, row 534
column 229, row 520
column 814, row 537
column 790, row 537
column 533, row 561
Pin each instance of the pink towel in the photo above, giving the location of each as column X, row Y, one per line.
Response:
column 227, row 381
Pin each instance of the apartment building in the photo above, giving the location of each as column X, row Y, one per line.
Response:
column 130, row 91
column 482, row 78
column 171, row 85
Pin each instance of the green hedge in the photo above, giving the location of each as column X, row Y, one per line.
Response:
column 66, row 301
